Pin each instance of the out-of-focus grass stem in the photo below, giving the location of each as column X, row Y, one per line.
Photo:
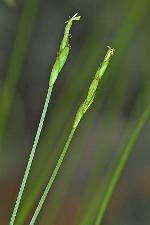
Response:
column 121, row 164
column 18, row 54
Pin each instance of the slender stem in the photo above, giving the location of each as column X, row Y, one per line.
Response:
column 27, row 171
column 52, row 178
column 121, row 165
column 80, row 112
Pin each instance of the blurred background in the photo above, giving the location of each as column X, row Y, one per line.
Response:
column 30, row 35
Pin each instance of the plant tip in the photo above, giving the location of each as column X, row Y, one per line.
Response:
column 74, row 18
column 111, row 50
column 110, row 53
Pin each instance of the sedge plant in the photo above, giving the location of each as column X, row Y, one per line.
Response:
column 58, row 65
column 122, row 38
column 80, row 112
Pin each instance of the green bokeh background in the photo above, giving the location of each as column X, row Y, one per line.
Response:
column 30, row 33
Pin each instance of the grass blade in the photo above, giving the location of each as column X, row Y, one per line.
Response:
column 17, row 57
column 121, row 165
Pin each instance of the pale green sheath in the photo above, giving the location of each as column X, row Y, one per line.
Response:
column 60, row 61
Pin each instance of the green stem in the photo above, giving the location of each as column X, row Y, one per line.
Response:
column 121, row 165
column 54, row 174
column 27, row 171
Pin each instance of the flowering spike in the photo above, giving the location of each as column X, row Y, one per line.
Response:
column 93, row 87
